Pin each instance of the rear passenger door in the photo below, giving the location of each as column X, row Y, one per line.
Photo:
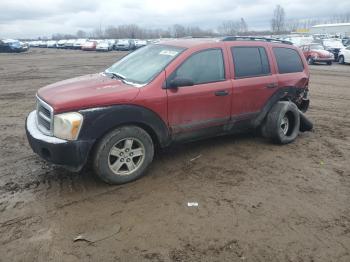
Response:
column 254, row 80
column 290, row 67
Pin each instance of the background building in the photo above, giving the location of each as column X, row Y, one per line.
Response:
column 342, row 29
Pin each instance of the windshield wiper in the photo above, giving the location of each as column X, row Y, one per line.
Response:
column 121, row 77
column 116, row 75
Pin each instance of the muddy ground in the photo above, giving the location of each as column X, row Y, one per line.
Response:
column 257, row 201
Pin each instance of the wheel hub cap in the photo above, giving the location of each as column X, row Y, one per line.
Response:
column 284, row 125
column 126, row 156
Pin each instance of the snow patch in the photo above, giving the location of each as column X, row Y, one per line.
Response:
column 37, row 134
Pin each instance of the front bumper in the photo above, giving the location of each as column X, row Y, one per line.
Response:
column 71, row 154
column 324, row 59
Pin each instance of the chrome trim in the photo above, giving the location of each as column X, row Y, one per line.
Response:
column 40, row 114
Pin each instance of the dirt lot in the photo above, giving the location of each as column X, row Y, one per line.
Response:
column 257, row 201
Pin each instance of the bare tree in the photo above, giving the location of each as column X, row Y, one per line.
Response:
column 229, row 27
column 278, row 20
column 178, row 31
column 243, row 26
column 81, row 34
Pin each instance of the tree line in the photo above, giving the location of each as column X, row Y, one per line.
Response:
column 279, row 25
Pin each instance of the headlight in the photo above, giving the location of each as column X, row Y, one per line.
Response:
column 67, row 126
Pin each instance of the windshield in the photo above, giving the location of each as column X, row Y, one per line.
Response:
column 141, row 66
column 316, row 47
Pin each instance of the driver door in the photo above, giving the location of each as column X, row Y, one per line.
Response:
column 206, row 103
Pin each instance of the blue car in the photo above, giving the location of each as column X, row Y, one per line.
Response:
column 9, row 46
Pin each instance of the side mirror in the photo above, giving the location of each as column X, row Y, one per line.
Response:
column 178, row 82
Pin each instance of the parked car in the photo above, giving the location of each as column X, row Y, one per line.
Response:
column 61, row 43
column 34, row 43
column 345, row 40
column 24, row 46
column 140, row 43
column 42, row 43
column 52, row 44
column 344, row 55
column 299, row 40
column 315, row 53
column 11, row 46
column 170, row 92
column 69, row 44
column 105, row 45
column 89, row 45
column 333, row 45
column 79, row 43
column 124, row 45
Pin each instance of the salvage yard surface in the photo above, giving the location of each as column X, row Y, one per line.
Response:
column 256, row 201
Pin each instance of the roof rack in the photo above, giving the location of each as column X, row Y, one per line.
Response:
column 255, row 38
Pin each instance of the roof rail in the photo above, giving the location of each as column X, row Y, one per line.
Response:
column 255, row 38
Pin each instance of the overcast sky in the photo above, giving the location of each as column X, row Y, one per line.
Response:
column 33, row 18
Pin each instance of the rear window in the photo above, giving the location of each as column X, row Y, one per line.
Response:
column 250, row 61
column 288, row 60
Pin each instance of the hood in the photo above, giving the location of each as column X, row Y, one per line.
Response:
column 322, row 53
column 87, row 91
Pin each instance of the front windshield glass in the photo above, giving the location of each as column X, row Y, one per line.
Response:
column 316, row 47
column 141, row 66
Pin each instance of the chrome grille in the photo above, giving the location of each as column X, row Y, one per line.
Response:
column 44, row 117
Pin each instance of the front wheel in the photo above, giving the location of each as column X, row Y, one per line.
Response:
column 329, row 63
column 123, row 155
column 341, row 60
column 282, row 123
column 310, row 61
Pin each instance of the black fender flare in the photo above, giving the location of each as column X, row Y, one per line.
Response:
column 283, row 93
column 99, row 121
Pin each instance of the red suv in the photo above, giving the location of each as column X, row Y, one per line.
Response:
column 168, row 92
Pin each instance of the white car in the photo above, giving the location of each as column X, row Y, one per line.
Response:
column 52, row 44
column 79, row 43
column 61, row 43
column 344, row 55
column 105, row 45
column 140, row 43
column 124, row 45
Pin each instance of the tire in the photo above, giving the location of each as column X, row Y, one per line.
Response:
column 282, row 123
column 341, row 60
column 310, row 60
column 329, row 63
column 123, row 155
column 305, row 123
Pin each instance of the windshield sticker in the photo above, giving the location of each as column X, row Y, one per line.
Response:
column 168, row 52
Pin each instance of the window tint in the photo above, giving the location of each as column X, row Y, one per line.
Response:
column 288, row 60
column 203, row 67
column 250, row 61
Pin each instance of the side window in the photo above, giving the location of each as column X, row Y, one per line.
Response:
column 203, row 67
column 288, row 60
column 250, row 61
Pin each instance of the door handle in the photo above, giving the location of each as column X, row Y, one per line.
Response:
column 271, row 85
column 221, row 93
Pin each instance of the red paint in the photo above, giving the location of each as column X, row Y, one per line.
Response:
column 185, row 105
column 89, row 46
column 309, row 51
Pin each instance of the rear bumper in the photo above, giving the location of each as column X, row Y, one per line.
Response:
column 71, row 154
